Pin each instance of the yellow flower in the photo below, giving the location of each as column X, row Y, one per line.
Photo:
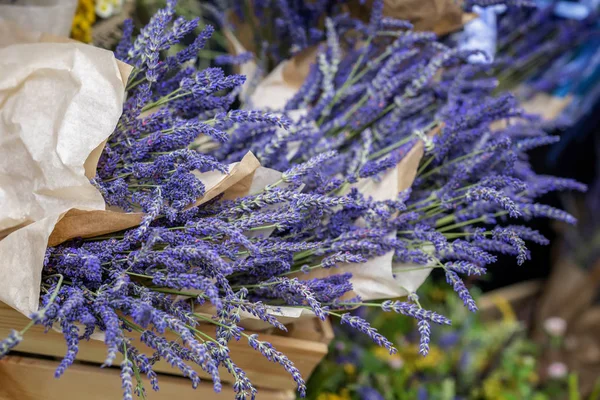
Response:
column 330, row 396
column 414, row 359
column 382, row 353
column 508, row 314
column 393, row 360
column 349, row 369
column 85, row 26
column 77, row 19
column 90, row 14
column 492, row 389
column 533, row 378
column 82, row 21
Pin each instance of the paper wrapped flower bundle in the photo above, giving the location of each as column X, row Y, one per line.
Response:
column 391, row 167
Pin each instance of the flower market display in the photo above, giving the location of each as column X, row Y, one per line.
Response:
column 394, row 158
column 473, row 359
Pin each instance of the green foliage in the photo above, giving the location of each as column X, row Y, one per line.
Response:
column 471, row 360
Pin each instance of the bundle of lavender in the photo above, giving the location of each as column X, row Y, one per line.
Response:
column 539, row 47
column 364, row 109
column 277, row 30
column 378, row 97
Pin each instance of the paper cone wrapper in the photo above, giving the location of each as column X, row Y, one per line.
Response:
column 60, row 101
column 381, row 277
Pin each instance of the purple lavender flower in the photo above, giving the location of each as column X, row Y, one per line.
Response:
column 465, row 267
column 13, row 339
column 241, row 58
column 71, row 334
column 425, row 332
column 414, row 311
column 462, row 291
column 364, row 327
column 275, row 356
column 127, row 379
column 298, row 171
column 369, row 393
column 489, row 194
column 510, row 236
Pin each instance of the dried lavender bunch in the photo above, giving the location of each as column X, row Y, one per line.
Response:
column 372, row 103
column 280, row 28
column 535, row 46
column 146, row 282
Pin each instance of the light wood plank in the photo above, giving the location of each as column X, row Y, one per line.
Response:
column 305, row 347
column 25, row 378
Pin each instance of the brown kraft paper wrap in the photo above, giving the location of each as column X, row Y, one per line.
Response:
column 60, row 101
column 380, row 277
column 439, row 16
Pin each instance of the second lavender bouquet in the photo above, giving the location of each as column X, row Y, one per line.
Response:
column 377, row 98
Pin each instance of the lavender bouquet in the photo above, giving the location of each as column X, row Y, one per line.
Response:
column 377, row 93
column 365, row 108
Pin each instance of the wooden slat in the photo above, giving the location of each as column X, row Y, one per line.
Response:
column 513, row 293
column 25, row 378
column 300, row 347
column 518, row 296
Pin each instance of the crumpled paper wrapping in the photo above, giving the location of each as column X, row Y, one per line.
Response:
column 86, row 224
column 381, row 277
column 280, row 85
column 439, row 16
column 549, row 107
column 481, row 34
column 249, row 69
column 49, row 16
column 60, row 102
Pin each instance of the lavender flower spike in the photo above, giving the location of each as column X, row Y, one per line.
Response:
column 462, row 291
column 13, row 339
column 298, row 171
column 364, row 327
column 425, row 332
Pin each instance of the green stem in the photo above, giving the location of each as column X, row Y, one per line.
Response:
column 595, row 395
column 460, row 224
column 574, row 387
column 389, row 148
column 425, row 165
column 446, row 164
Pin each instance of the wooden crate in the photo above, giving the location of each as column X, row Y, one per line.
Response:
column 29, row 378
column 520, row 296
column 305, row 344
